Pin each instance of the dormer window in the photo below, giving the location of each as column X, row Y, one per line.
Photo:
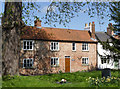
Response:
column 27, row 45
column 54, row 46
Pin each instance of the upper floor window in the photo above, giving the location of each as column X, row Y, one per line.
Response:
column 27, row 45
column 54, row 61
column 73, row 47
column 85, row 47
column 54, row 46
column 85, row 60
column 27, row 63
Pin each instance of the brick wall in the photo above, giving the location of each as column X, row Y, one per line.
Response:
column 42, row 54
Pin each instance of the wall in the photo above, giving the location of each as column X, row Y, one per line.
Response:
column 42, row 55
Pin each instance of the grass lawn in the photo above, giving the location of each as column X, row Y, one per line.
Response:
column 77, row 79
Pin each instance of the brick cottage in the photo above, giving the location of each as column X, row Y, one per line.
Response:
column 51, row 50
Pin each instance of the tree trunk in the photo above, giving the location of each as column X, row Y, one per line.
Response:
column 11, row 26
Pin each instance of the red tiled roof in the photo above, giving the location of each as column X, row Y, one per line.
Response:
column 55, row 34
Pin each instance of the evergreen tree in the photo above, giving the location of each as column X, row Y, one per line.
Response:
column 115, row 47
column 115, row 15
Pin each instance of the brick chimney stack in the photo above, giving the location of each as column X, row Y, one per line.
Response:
column 93, row 30
column 37, row 23
column 109, row 31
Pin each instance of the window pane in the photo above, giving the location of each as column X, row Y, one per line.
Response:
column 87, row 61
column 30, row 46
column 30, row 65
column 56, row 61
column 83, row 61
column 57, row 46
column 24, row 64
column 27, row 43
column 24, row 60
column 24, row 44
column 51, row 61
column 73, row 48
column 28, row 62
column 108, row 61
column 51, row 46
column 54, row 46
column 27, row 47
column 30, row 42
column 102, row 61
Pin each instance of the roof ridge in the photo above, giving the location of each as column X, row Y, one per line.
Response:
column 64, row 29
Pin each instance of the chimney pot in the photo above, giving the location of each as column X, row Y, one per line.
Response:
column 86, row 25
column 90, row 24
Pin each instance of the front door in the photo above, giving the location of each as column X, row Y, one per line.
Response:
column 67, row 63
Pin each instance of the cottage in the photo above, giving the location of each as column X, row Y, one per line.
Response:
column 54, row 50
column 105, row 57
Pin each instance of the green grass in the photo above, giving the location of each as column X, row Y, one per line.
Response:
column 77, row 79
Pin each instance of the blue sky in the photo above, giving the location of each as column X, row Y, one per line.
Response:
column 77, row 23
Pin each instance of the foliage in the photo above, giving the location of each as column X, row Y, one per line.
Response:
column 103, row 82
column 63, row 12
column 115, row 15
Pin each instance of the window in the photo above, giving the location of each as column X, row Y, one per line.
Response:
column 27, row 45
column 54, row 46
column 85, row 46
column 28, row 63
column 85, row 60
column 73, row 47
column 54, row 61
column 105, row 60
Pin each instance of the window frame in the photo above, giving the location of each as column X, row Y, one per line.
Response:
column 53, row 46
column 105, row 60
column 53, row 61
column 29, row 63
column 29, row 44
column 85, row 46
column 74, row 46
column 85, row 62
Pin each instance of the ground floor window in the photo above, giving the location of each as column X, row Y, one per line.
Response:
column 27, row 63
column 85, row 60
column 54, row 61
column 104, row 60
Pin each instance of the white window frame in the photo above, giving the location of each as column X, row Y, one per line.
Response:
column 84, row 44
column 104, row 58
column 56, row 48
column 54, row 60
column 26, row 63
column 74, row 46
column 86, row 63
column 29, row 44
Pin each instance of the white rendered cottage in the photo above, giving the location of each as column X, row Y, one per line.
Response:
column 104, row 59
